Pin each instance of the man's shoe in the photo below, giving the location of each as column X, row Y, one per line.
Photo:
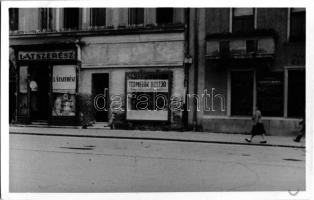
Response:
column 263, row 142
column 296, row 140
column 248, row 140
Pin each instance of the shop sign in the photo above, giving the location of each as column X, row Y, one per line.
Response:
column 146, row 85
column 46, row 55
column 64, row 77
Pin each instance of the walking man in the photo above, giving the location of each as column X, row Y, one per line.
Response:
column 258, row 126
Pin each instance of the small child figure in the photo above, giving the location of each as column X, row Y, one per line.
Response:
column 258, row 126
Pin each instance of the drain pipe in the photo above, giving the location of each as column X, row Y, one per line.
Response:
column 187, row 64
column 195, row 67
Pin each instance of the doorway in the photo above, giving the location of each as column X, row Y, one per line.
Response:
column 100, row 93
column 39, row 89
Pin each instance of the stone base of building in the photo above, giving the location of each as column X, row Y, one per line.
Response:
column 279, row 127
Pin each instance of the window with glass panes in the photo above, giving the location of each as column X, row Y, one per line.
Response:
column 296, row 93
column 242, row 19
column 297, row 24
column 13, row 18
column 164, row 15
column 71, row 18
column 136, row 16
column 98, row 16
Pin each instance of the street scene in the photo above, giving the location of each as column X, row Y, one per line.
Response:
column 126, row 163
column 156, row 99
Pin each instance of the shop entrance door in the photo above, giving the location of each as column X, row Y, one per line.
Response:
column 100, row 90
column 39, row 89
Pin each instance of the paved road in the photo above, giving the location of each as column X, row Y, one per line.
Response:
column 74, row 164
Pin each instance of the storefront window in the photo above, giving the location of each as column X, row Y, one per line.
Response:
column 296, row 93
column 64, row 90
column 64, row 104
column 269, row 88
column 242, row 93
column 147, row 97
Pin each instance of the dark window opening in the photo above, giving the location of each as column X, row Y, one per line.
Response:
column 242, row 93
column 296, row 93
column 269, row 86
column 243, row 20
column 164, row 15
column 224, row 48
column 98, row 16
column 251, row 46
column 46, row 18
column 297, row 25
column 14, row 18
column 136, row 16
column 71, row 18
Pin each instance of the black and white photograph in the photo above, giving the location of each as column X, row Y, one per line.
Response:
column 103, row 99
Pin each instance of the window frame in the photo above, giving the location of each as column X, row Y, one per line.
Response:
column 290, row 13
column 65, row 24
column 229, row 100
column 92, row 20
column 48, row 20
column 287, row 69
column 254, row 71
column 133, row 16
column 172, row 17
column 15, row 14
column 231, row 19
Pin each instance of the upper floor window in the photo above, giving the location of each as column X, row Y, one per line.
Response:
column 98, row 16
column 297, row 24
column 14, row 18
column 45, row 18
column 136, row 16
column 242, row 19
column 71, row 18
column 164, row 15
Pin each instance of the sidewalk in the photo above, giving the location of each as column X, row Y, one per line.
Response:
column 203, row 137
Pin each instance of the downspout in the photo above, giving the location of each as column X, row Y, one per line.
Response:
column 195, row 67
column 187, row 64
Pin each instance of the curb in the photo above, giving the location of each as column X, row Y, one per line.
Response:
column 159, row 139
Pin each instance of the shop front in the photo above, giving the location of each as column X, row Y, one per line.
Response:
column 133, row 77
column 47, row 85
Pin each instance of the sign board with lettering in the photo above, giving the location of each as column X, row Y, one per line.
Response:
column 46, row 55
column 142, row 85
column 64, row 78
column 148, row 96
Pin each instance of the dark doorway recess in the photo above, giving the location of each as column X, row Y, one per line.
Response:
column 39, row 90
column 100, row 90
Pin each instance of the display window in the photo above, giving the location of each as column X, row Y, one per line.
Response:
column 148, row 96
column 64, row 90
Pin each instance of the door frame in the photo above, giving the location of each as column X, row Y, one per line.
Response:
column 106, row 75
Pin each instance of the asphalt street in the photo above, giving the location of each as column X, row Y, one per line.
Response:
column 81, row 164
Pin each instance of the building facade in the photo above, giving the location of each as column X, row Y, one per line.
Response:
column 247, row 57
column 80, row 65
column 195, row 68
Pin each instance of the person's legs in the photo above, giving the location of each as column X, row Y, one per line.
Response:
column 298, row 138
column 249, row 140
column 263, row 138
